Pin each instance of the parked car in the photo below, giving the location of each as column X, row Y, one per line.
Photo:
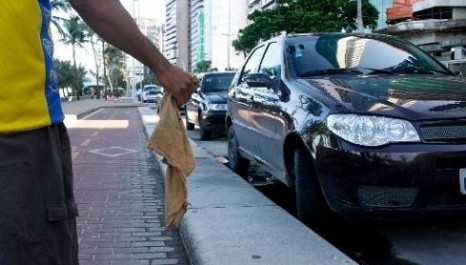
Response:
column 154, row 96
column 207, row 106
column 361, row 125
column 148, row 88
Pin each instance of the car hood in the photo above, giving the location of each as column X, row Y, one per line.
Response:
column 216, row 98
column 408, row 96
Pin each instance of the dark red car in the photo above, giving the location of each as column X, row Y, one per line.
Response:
column 362, row 125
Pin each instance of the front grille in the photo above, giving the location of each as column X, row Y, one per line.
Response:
column 387, row 197
column 443, row 132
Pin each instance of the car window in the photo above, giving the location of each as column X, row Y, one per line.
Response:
column 271, row 63
column 252, row 63
column 331, row 54
column 217, row 82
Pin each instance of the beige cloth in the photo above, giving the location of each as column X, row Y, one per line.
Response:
column 169, row 139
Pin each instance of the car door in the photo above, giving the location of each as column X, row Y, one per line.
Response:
column 240, row 100
column 267, row 105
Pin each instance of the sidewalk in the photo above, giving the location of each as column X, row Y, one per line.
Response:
column 119, row 190
column 230, row 223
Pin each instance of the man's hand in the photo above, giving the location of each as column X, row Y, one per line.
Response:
column 178, row 83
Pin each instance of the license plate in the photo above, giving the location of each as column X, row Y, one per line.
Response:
column 463, row 181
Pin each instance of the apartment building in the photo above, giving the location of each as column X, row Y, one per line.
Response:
column 223, row 20
column 176, row 33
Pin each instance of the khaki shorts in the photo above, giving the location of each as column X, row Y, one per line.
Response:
column 37, row 209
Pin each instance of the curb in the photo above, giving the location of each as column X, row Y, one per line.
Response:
column 229, row 222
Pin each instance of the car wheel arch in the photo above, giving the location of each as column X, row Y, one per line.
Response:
column 228, row 122
column 290, row 143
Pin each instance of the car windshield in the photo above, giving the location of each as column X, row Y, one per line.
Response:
column 368, row 54
column 217, row 82
column 154, row 92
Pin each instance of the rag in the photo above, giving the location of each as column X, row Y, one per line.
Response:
column 170, row 140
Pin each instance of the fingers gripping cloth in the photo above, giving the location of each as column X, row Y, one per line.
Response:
column 169, row 139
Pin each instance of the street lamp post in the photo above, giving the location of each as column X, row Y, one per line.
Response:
column 228, row 36
column 359, row 17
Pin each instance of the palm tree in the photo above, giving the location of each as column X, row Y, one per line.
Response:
column 75, row 35
column 115, row 62
column 94, row 39
column 59, row 5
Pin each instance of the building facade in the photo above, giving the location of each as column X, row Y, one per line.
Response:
column 260, row 5
column 436, row 26
column 382, row 6
column 223, row 20
column 176, row 33
column 197, row 32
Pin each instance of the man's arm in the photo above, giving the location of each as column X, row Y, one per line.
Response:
column 110, row 20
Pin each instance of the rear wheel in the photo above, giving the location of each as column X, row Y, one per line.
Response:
column 189, row 126
column 237, row 163
column 310, row 203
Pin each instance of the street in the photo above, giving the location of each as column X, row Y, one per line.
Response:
column 422, row 242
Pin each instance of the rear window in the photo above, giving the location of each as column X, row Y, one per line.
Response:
column 217, row 82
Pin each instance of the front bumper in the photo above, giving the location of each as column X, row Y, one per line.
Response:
column 393, row 181
column 214, row 121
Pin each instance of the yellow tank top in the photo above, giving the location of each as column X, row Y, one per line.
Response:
column 29, row 97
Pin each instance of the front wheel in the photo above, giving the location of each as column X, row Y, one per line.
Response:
column 237, row 163
column 189, row 126
column 310, row 203
column 205, row 134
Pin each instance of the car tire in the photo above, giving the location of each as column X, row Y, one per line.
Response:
column 236, row 162
column 189, row 126
column 205, row 134
column 311, row 207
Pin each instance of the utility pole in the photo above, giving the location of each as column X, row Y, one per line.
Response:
column 359, row 17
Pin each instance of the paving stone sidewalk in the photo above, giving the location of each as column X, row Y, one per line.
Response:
column 119, row 191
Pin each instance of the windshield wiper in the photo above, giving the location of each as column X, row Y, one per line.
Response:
column 330, row 72
column 419, row 70
column 369, row 70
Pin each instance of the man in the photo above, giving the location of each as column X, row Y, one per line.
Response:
column 37, row 208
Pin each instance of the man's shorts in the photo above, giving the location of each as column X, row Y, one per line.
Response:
column 37, row 209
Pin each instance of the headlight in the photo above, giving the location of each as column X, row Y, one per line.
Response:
column 217, row 107
column 371, row 130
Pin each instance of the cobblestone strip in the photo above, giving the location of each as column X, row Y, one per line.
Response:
column 120, row 196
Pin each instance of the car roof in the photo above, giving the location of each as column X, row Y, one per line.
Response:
column 317, row 34
column 218, row 73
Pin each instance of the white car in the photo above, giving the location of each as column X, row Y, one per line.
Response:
column 148, row 88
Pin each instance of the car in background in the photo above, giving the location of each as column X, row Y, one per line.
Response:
column 207, row 106
column 358, row 125
column 154, row 96
column 147, row 88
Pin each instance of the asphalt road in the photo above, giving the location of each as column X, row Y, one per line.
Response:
column 421, row 242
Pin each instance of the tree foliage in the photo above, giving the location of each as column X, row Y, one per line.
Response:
column 59, row 5
column 301, row 16
column 68, row 76
column 203, row 66
column 115, row 64
column 75, row 35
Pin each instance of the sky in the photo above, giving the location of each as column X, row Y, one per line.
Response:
column 84, row 56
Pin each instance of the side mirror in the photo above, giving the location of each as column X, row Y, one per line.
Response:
column 259, row 80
